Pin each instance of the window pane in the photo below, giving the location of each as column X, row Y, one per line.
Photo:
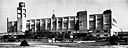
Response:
column 19, row 15
column 24, row 15
column 24, row 10
column 19, row 11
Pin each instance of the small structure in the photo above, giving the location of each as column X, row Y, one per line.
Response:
column 24, row 43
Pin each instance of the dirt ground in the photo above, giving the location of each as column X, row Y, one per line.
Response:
column 60, row 45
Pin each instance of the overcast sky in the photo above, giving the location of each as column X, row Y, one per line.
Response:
column 43, row 9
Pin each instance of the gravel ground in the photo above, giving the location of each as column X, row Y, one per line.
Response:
column 60, row 45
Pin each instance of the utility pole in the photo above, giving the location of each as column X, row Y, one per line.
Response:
column 7, row 24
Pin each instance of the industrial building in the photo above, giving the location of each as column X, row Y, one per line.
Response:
column 96, row 24
column 57, row 24
column 102, row 24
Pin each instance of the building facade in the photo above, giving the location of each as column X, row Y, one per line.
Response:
column 96, row 24
column 102, row 24
column 57, row 24
column 21, row 17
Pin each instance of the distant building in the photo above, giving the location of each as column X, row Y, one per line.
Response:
column 96, row 24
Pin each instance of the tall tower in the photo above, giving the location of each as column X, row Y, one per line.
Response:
column 21, row 17
column 53, row 22
column 82, row 16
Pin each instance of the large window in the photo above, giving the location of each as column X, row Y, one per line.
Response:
column 38, row 25
column 72, row 24
column 65, row 22
column 91, row 17
column 107, row 26
column 99, row 24
column 24, row 10
column 100, row 16
column 19, row 11
column 54, row 23
column 43, row 24
column 19, row 15
column 59, row 23
column 107, row 19
column 91, row 25
column 48, row 24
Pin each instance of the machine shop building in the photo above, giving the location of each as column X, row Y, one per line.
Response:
column 103, row 24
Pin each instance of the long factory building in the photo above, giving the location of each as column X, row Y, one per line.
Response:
column 103, row 24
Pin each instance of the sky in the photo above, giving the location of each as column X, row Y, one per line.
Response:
column 44, row 9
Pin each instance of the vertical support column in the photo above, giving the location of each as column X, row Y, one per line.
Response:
column 23, row 24
column 62, row 23
column 40, row 24
column 75, row 20
column 68, row 23
column 88, row 20
column 27, row 23
column 51, row 24
column 56, row 24
column 103, row 21
column 96, row 22
column 23, row 12
column 7, row 25
column 45, row 24
column 35, row 25
column 74, row 24
column 30, row 24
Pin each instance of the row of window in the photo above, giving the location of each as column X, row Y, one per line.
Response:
column 99, row 26
column 21, row 11
column 100, row 31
